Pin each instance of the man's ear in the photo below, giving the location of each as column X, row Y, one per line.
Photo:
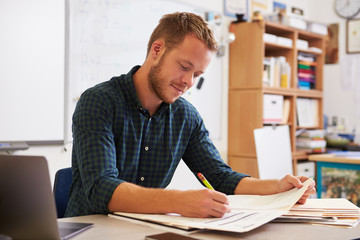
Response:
column 157, row 48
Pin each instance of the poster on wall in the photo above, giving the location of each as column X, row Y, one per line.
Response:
column 261, row 6
column 332, row 44
column 353, row 36
column 236, row 7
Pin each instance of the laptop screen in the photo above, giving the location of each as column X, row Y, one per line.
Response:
column 27, row 207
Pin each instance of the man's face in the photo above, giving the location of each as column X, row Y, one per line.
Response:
column 175, row 71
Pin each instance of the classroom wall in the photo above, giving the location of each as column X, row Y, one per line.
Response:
column 59, row 156
column 340, row 93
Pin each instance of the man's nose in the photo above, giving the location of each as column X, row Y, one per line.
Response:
column 189, row 79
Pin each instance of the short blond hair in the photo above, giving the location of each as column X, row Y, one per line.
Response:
column 174, row 27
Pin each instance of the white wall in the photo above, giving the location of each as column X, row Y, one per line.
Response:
column 337, row 100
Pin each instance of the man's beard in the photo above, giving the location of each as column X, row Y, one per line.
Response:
column 156, row 81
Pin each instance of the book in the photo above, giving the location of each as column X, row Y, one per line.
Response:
column 286, row 111
column 313, row 134
column 307, row 112
column 306, row 71
column 310, row 143
column 269, row 65
column 247, row 213
column 266, row 73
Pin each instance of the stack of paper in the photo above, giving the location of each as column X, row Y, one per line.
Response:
column 327, row 211
column 312, row 141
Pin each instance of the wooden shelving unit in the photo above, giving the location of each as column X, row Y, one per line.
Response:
column 246, row 88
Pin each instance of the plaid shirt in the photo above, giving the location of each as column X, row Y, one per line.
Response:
column 116, row 140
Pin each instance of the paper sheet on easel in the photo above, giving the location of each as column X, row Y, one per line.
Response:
column 273, row 151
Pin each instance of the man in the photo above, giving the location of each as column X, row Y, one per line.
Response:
column 131, row 132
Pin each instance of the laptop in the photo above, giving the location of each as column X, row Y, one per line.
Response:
column 27, row 206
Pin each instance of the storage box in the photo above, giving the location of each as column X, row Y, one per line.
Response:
column 284, row 41
column 302, row 44
column 317, row 28
column 297, row 23
column 273, row 108
column 269, row 38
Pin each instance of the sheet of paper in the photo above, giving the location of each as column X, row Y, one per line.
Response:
column 276, row 201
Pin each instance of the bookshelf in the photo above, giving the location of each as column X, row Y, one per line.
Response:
column 247, row 86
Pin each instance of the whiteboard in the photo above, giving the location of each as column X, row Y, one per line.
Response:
column 32, row 60
column 107, row 38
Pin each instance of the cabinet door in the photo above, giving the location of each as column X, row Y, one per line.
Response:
column 245, row 115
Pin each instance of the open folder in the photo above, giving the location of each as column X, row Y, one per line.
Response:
column 247, row 212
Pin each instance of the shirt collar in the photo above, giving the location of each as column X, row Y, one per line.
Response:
column 134, row 98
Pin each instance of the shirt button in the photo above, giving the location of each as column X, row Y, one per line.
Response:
column 146, row 148
column 142, row 179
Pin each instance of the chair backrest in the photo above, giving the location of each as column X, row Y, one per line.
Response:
column 63, row 179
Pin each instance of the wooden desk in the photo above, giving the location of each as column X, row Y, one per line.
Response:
column 337, row 175
column 113, row 228
column 333, row 158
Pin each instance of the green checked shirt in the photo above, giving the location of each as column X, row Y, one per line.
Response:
column 116, row 140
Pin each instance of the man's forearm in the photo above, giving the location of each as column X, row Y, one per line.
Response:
column 129, row 197
column 249, row 185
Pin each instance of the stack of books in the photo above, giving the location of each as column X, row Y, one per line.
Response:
column 306, row 71
column 311, row 141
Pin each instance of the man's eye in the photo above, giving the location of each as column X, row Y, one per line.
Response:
column 183, row 67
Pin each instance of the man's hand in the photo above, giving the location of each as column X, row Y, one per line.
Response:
column 289, row 181
column 203, row 203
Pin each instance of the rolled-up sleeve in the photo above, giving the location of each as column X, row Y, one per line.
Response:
column 202, row 156
column 95, row 149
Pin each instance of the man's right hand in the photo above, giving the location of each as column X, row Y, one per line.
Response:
column 203, row 203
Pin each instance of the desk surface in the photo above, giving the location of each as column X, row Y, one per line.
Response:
column 113, row 228
column 333, row 158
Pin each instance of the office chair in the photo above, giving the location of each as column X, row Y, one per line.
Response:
column 63, row 179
